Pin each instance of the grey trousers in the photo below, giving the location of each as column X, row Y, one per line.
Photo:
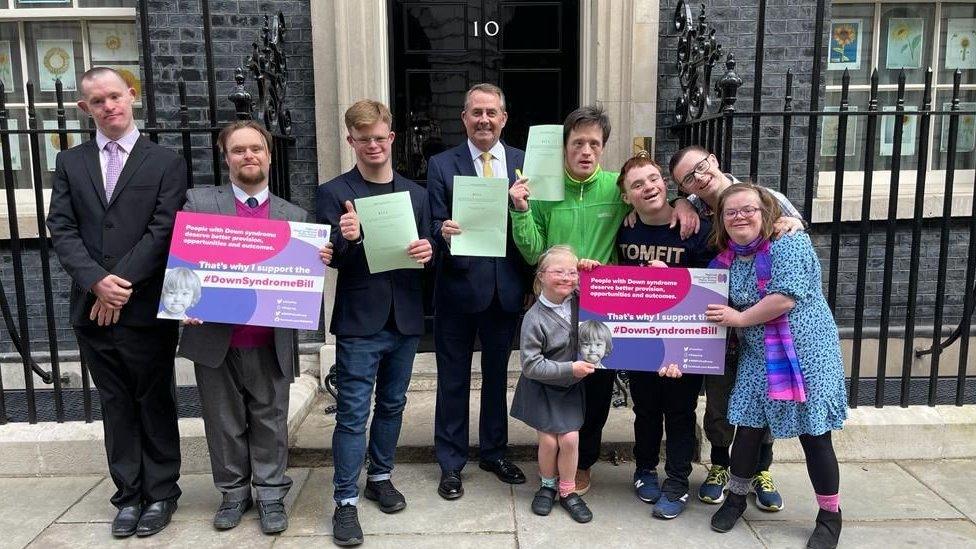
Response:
column 245, row 416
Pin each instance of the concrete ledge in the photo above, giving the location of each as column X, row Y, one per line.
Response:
column 79, row 448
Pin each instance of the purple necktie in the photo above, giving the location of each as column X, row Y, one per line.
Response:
column 112, row 169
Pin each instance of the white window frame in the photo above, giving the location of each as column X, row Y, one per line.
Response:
column 852, row 191
column 25, row 202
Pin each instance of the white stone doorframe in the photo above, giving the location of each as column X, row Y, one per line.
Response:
column 618, row 68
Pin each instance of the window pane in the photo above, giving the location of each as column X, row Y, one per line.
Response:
column 884, row 146
column 50, row 142
column 851, row 36
column 906, row 42
column 54, row 51
column 19, row 157
column 965, row 137
column 107, row 3
column 856, row 131
column 958, row 39
column 113, row 42
column 11, row 70
column 43, row 3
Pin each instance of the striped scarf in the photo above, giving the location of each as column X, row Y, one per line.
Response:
column 783, row 374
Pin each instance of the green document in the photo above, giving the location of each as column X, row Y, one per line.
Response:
column 480, row 208
column 544, row 163
column 388, row 229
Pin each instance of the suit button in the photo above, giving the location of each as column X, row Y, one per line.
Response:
column 109, row 226
column 106, row 257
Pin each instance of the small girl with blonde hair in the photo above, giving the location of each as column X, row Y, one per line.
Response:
column 549, row 397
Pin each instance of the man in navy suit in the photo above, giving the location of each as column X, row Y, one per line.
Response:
column 378, row 320
column 474, row 296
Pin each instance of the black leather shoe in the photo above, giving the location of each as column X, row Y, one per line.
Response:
column 728, row 514
column 126, row 521
column 155, row 517
column 450, row 485
column 542, row 502
column 576, row 507
column 229, row 513
column 274, row 519
column 505, row 470
column 386, row 495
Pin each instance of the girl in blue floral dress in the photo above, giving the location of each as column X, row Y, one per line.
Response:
column 791, row 373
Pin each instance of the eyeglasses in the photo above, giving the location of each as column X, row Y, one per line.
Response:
column 562, row 274
column 369, row 140
column 746, row 212
column 701, row 168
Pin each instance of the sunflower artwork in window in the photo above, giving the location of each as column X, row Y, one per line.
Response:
column 845, row 45
column 905, row 43
column 6, row 69
column 960, row 44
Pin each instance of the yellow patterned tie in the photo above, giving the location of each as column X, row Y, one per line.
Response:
column 486, row 170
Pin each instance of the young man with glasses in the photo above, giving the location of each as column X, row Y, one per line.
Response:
column 377, row 320
column 697, row 172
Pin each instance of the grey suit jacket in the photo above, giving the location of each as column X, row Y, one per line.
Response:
column 207, row 344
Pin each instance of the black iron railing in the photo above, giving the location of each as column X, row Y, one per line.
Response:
column 266, row 66
column 714, row 122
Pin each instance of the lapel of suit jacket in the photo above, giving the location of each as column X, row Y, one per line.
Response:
column 137, row 155
column 90, row 154
column 463, row 161
column 278, row 210
column 511, row 164
column 225, row 199
column 359, row 189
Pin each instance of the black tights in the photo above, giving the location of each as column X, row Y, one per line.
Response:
column 821, row 460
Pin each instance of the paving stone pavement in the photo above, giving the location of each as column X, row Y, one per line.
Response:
column 886, row 505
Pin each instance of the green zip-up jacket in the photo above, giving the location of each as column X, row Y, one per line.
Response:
column 586, row 219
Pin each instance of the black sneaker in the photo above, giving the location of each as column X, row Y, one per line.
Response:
column 345, row 526
column 384, row 493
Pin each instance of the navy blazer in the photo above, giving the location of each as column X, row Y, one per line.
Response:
column 363, row 300
column 468, row 284
column 127, row 236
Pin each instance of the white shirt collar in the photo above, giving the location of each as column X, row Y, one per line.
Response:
column 243, row 196
column 126, row 142
column 497, row 151
column 552, row 305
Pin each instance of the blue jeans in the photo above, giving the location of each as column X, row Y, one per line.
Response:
column 383, row 360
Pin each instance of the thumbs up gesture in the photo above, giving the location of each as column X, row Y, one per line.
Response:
column 349, row 223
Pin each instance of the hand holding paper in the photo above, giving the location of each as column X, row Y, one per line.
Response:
column 450, row 228
column 349, row 223
column 420, row 251
column 519, row 192
column 389, row 231
column 544, row 163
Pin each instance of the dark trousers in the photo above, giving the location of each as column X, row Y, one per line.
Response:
column 665, row 404
column 245, row 416
column 598, row 388
column 132, row 368
column 454, row 336
column 718, row 431
column 818, row 449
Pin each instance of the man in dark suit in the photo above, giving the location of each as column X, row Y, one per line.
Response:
column 113, row 202
column 474, row 296
column 243, row 372
column 377, row 320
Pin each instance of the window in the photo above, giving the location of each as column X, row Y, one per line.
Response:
column 38, row 44
column 892, row 37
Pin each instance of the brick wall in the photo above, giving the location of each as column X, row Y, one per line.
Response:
column 789, row 33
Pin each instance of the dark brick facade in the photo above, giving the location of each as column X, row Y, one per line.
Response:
column 788, row 39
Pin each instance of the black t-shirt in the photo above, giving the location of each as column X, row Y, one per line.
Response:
column 376, row 189
column 641, row 244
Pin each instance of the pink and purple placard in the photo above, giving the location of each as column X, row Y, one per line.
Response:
column 655, row 316
column 259, row 272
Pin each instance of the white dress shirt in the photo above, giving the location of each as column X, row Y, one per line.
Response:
column 498, row 165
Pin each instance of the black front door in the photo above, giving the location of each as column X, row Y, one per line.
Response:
column 442, row 47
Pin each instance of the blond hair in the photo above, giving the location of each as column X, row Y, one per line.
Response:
column 367, row 112
column 547, row 258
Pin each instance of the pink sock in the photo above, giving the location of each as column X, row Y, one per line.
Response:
column 566, row 487
column 829, row 503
